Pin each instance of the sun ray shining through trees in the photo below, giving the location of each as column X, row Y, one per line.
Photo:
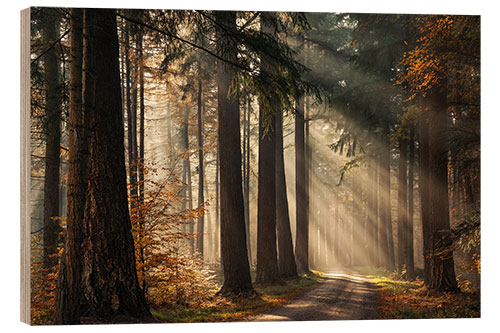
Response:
column 199, row 165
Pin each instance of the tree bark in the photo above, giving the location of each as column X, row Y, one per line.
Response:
column 386, row 239
column 372, row 215
column 233, row 236
column 140, row 162
column 109, row 276
column 402, row 206
column 68, row 290
column 187, row 194
column 216, row 244
column 442, row 264
column 246, row 179
column 52, row 120
column 267, row 260
column 424, row 184
column 130, row 121
column 410, row 269
column 286, row 259
column 201, row 200
column 302, row 224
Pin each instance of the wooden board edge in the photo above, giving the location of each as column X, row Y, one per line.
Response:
column 25, row 167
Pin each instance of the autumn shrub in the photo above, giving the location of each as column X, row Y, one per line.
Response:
column 42, row 283
column 168, row 269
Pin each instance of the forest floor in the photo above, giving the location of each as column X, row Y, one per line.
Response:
column 341, row 295
column 368, row 293
column 403, row 299
column 221, row 308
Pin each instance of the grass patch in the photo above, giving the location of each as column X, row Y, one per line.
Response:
column 221, row 308
column 401, row 299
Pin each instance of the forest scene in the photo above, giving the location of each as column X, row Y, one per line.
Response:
column 215, row 166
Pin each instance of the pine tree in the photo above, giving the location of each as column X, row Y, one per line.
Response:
column 232, row 215
column 109, row 277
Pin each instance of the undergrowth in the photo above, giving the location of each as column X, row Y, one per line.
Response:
column 402, row 299
column 219, row 308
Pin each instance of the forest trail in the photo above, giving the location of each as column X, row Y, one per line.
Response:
column 343, row 295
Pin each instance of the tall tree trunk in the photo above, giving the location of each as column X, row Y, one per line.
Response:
column 376, row 218
column 52, row 120
column 210, row 227
column 402, row 206
column 410, row 269
column 131, row 124
column 357, row 225
column 307, row 166
column 286, row 259
column 68, row 290
column 442, row 265
column 170, row 144
column 140, row 163
column 186, row 178
column 424, row 184
column 267, row 260
column 109, row 278
column 216, row 243
column 302, row 223
column 386, row 239
column 201, row 200
column 372, row 215
column 246, row 180
column 233, row 235
column 365, row 233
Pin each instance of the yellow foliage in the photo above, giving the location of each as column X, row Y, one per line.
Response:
column 166, row 266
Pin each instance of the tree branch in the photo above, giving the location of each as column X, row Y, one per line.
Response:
column 246, row 69
column 50, row 47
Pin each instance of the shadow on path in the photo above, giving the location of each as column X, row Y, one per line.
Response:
column 342, row 295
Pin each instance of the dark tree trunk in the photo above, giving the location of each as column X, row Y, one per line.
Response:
column 365, row 235
column 302, row 224
column 442, row 265
column 301, row 215
column 357, row 227
column 386, row 239
column 141, row 149
column 216, row 244
column 410, row 269
column 424, row 183
column 170, row 144
column 286, row 259
column 307, row 166
column 402, row 206
column 109, row 276
column 267, row 260
column 187, row 192
column 246, row 179
column 130, row 122
column 201, row 200
column 52, row 120
column 233, row 236
column 372, row 215
column 141, row 114
column 68, row 290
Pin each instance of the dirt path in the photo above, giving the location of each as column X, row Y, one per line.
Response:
column 343, row 295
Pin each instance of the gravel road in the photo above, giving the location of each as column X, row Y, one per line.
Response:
column 343, row 295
